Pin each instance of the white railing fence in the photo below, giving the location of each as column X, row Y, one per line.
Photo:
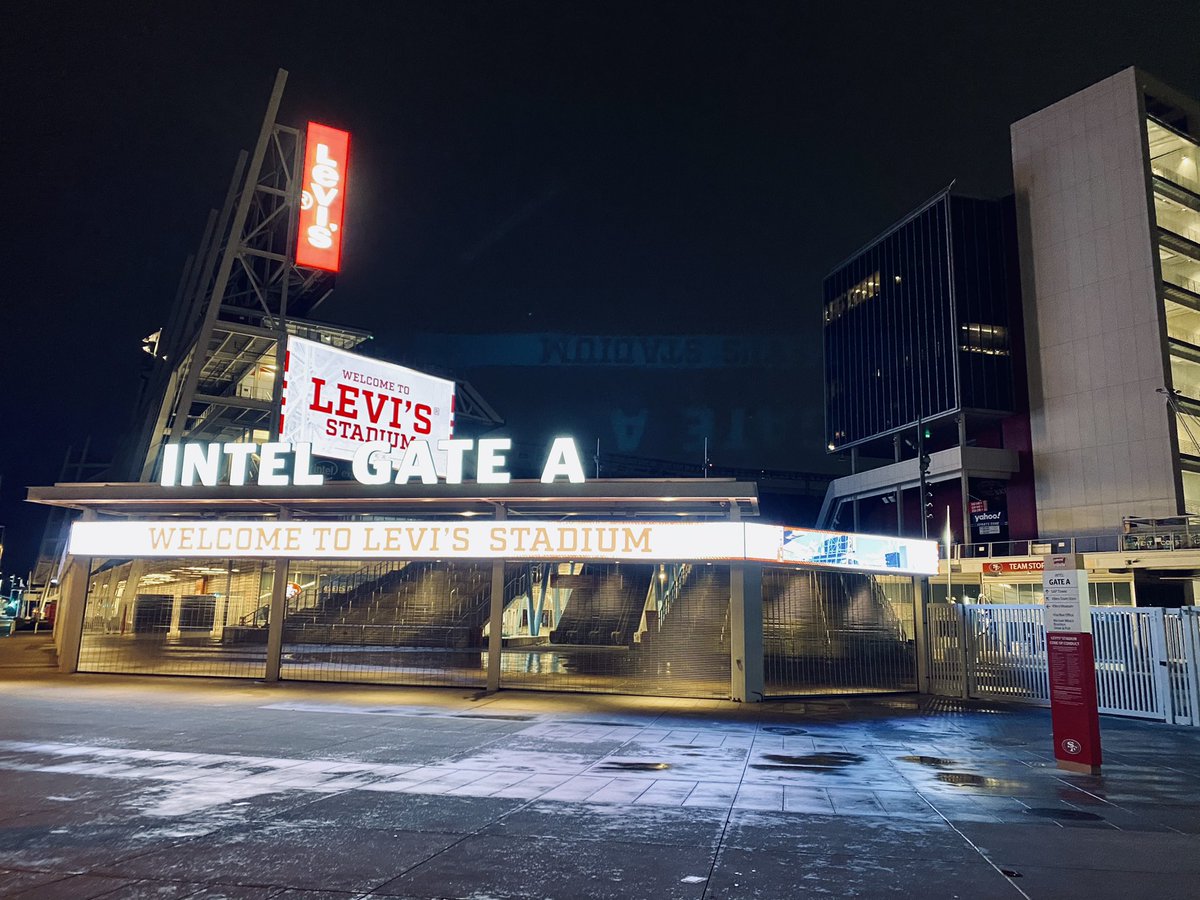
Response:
column 1147, row 659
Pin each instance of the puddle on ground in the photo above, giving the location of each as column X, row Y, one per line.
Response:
column 1067, row 815
column 936, row 762
column 785, row 730
column 811, row 762
column 599, row 724
column 616, row 765
column 501, row 716
column 967, row 779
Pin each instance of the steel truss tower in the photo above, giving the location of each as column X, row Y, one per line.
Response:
column 218, row 368
column 219, row 361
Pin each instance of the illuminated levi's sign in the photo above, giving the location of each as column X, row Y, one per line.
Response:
column 513, row 540
column 337, row 401
column 376, row 462
column 322, row 198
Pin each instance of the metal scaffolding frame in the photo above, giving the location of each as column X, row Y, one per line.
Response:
column 220, row 362
column 239, row 298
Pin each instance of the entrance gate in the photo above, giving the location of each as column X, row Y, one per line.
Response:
column 1147, row 659
column 672, row 589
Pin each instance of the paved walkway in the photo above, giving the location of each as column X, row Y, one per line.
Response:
column 171, row 788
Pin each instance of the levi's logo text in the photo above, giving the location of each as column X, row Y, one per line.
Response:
column 322, row 198
column 363, row 414
column 338, row 401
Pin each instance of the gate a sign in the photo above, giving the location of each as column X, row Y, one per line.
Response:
column 1074, row 715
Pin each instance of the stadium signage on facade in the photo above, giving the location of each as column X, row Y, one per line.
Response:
column 322, row 198
column 338, row 401
column 283, row 463
column 525, row 539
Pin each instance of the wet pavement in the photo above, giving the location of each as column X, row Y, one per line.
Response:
column 171, row 788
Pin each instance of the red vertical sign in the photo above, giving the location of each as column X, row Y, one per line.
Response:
column 322, row 198
column 1073, row 714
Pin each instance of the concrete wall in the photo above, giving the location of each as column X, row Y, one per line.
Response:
column 1102, row 443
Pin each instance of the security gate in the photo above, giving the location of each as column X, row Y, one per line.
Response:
column 1146, row 658
column 618, row 628
column 836, row 633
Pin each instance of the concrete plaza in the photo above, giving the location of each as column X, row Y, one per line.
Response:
column 171, row 788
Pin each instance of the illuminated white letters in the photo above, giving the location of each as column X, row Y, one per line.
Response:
column 304, row 475
column 417, row 460
column 455, row 448
column 489, row 460
column 322, row 200
column 203, row 462
column 323, row 189
column 371, row 464
column 271, row 465
column 282, row 463
column 239, row 458
column 563, row 460
column 170, row 466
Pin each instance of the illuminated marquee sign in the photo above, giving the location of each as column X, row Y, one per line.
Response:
column 512, row 540
column 338, row 401
column 376, row 462
column 322, row 198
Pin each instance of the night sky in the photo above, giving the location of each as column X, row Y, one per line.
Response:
column 661, row 168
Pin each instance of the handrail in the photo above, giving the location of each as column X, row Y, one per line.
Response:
column 1182, row 283
column 1140, row 536
column 1173, row 175
column 673, row 589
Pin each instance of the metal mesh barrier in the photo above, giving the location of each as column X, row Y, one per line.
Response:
column 612, row 628
column 835, row 632
column 393, row 622
column 177, row 617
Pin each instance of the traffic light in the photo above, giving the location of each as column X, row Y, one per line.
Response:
column 924, row 464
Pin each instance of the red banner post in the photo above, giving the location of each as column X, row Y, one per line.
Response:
column 1074, row 709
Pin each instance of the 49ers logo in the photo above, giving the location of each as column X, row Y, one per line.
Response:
column 319, row 243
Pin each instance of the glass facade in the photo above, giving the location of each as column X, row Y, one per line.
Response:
column 1174, row 161
column 917, row 325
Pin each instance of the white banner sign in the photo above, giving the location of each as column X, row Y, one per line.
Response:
column 1065, row 589
column 557, row 540
column 337, row 401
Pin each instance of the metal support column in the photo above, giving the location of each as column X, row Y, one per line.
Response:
column 128, row 600
column 897, row 453
column 965, row 537
column 277, row 613
column 72, row 605
column 496, row 617
column 745, row 628
column 920, row 599
column 745, row 632
column 281, row 321
column 854, row 471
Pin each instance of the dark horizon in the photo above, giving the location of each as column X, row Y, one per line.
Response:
column 517, row 168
